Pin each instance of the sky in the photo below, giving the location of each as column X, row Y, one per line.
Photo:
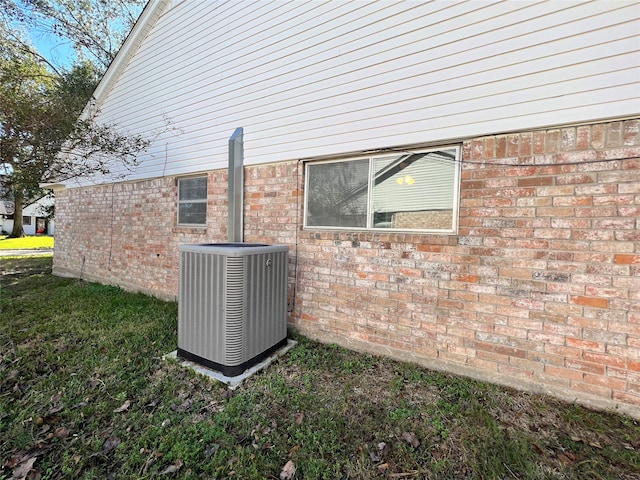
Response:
column 56, row 50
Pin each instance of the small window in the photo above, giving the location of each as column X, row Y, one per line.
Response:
column 26, row 220
column 192, row 201
column 412, row 191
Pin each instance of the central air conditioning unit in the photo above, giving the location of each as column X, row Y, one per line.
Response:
column 232, row 304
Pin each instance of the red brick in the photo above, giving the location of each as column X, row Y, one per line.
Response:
column 568, row 139
column 627, row 259
column 513, row 145
column 630, row 134
column 489, row 147
column 539, row 142
column 563, row 372
column 608, row 382
column 598, row 135
column 627, row 398
column 590, row 301
column 583, row 138
column 501, row 146
column 614, row 134
column 552, row 143
column 477, row 150
column 631, row 164
column 535, row 181
column 608, row 360
column 525, row 144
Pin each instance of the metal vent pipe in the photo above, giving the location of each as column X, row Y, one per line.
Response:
column 236, row 186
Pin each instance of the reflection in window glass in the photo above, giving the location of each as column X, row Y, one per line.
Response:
column 192, row 188
column 412, row 191
column 337, row 194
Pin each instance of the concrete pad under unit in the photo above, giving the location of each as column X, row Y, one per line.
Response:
column 232, row 382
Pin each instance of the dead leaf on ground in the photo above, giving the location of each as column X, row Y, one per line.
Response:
column 294, row 449
column 183, row 407
column 411, row 439
column 123, row 407
column 34, row 474
column 383, row 448
column 54, row 410
column 16, row 460
column 288, row 471
column 211, row 450
column 61, row 432
column 300, row 418
column 538, row 449
column 22, row 470
column 403, row 474
column 110, row 444
column 567, row 457
column 172, row 468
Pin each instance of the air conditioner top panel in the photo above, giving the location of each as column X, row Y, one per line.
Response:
column 233, row 249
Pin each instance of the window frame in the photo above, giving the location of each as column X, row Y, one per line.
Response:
column 455, row 204
column 201, row 200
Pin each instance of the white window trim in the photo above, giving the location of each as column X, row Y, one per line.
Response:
column 455, row 203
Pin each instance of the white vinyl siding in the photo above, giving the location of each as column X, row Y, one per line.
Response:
column 310, row 79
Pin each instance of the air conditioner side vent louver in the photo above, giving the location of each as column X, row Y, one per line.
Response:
column 231, row 304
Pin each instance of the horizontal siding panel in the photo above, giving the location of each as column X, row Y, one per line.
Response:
column 314, row 78
column 458, row 113
column 452, row 103
column 369, row 139
column 376, row 79
column 316, row 59
column 445, row 90
column 459, row 54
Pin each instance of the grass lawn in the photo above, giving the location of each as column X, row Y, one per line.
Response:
column 85, row 393
column 32, row 242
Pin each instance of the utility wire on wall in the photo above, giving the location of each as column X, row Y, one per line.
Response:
column 490, row 163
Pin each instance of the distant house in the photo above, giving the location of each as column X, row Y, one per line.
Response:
column 458, row 182
column 34, row 217
column 6, row 214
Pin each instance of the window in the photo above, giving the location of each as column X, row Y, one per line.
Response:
column 192, row 201
column 26, row 220
column 408, row 191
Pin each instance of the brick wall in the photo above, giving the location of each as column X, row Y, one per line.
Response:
column 540, row 290
column 126, row 233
